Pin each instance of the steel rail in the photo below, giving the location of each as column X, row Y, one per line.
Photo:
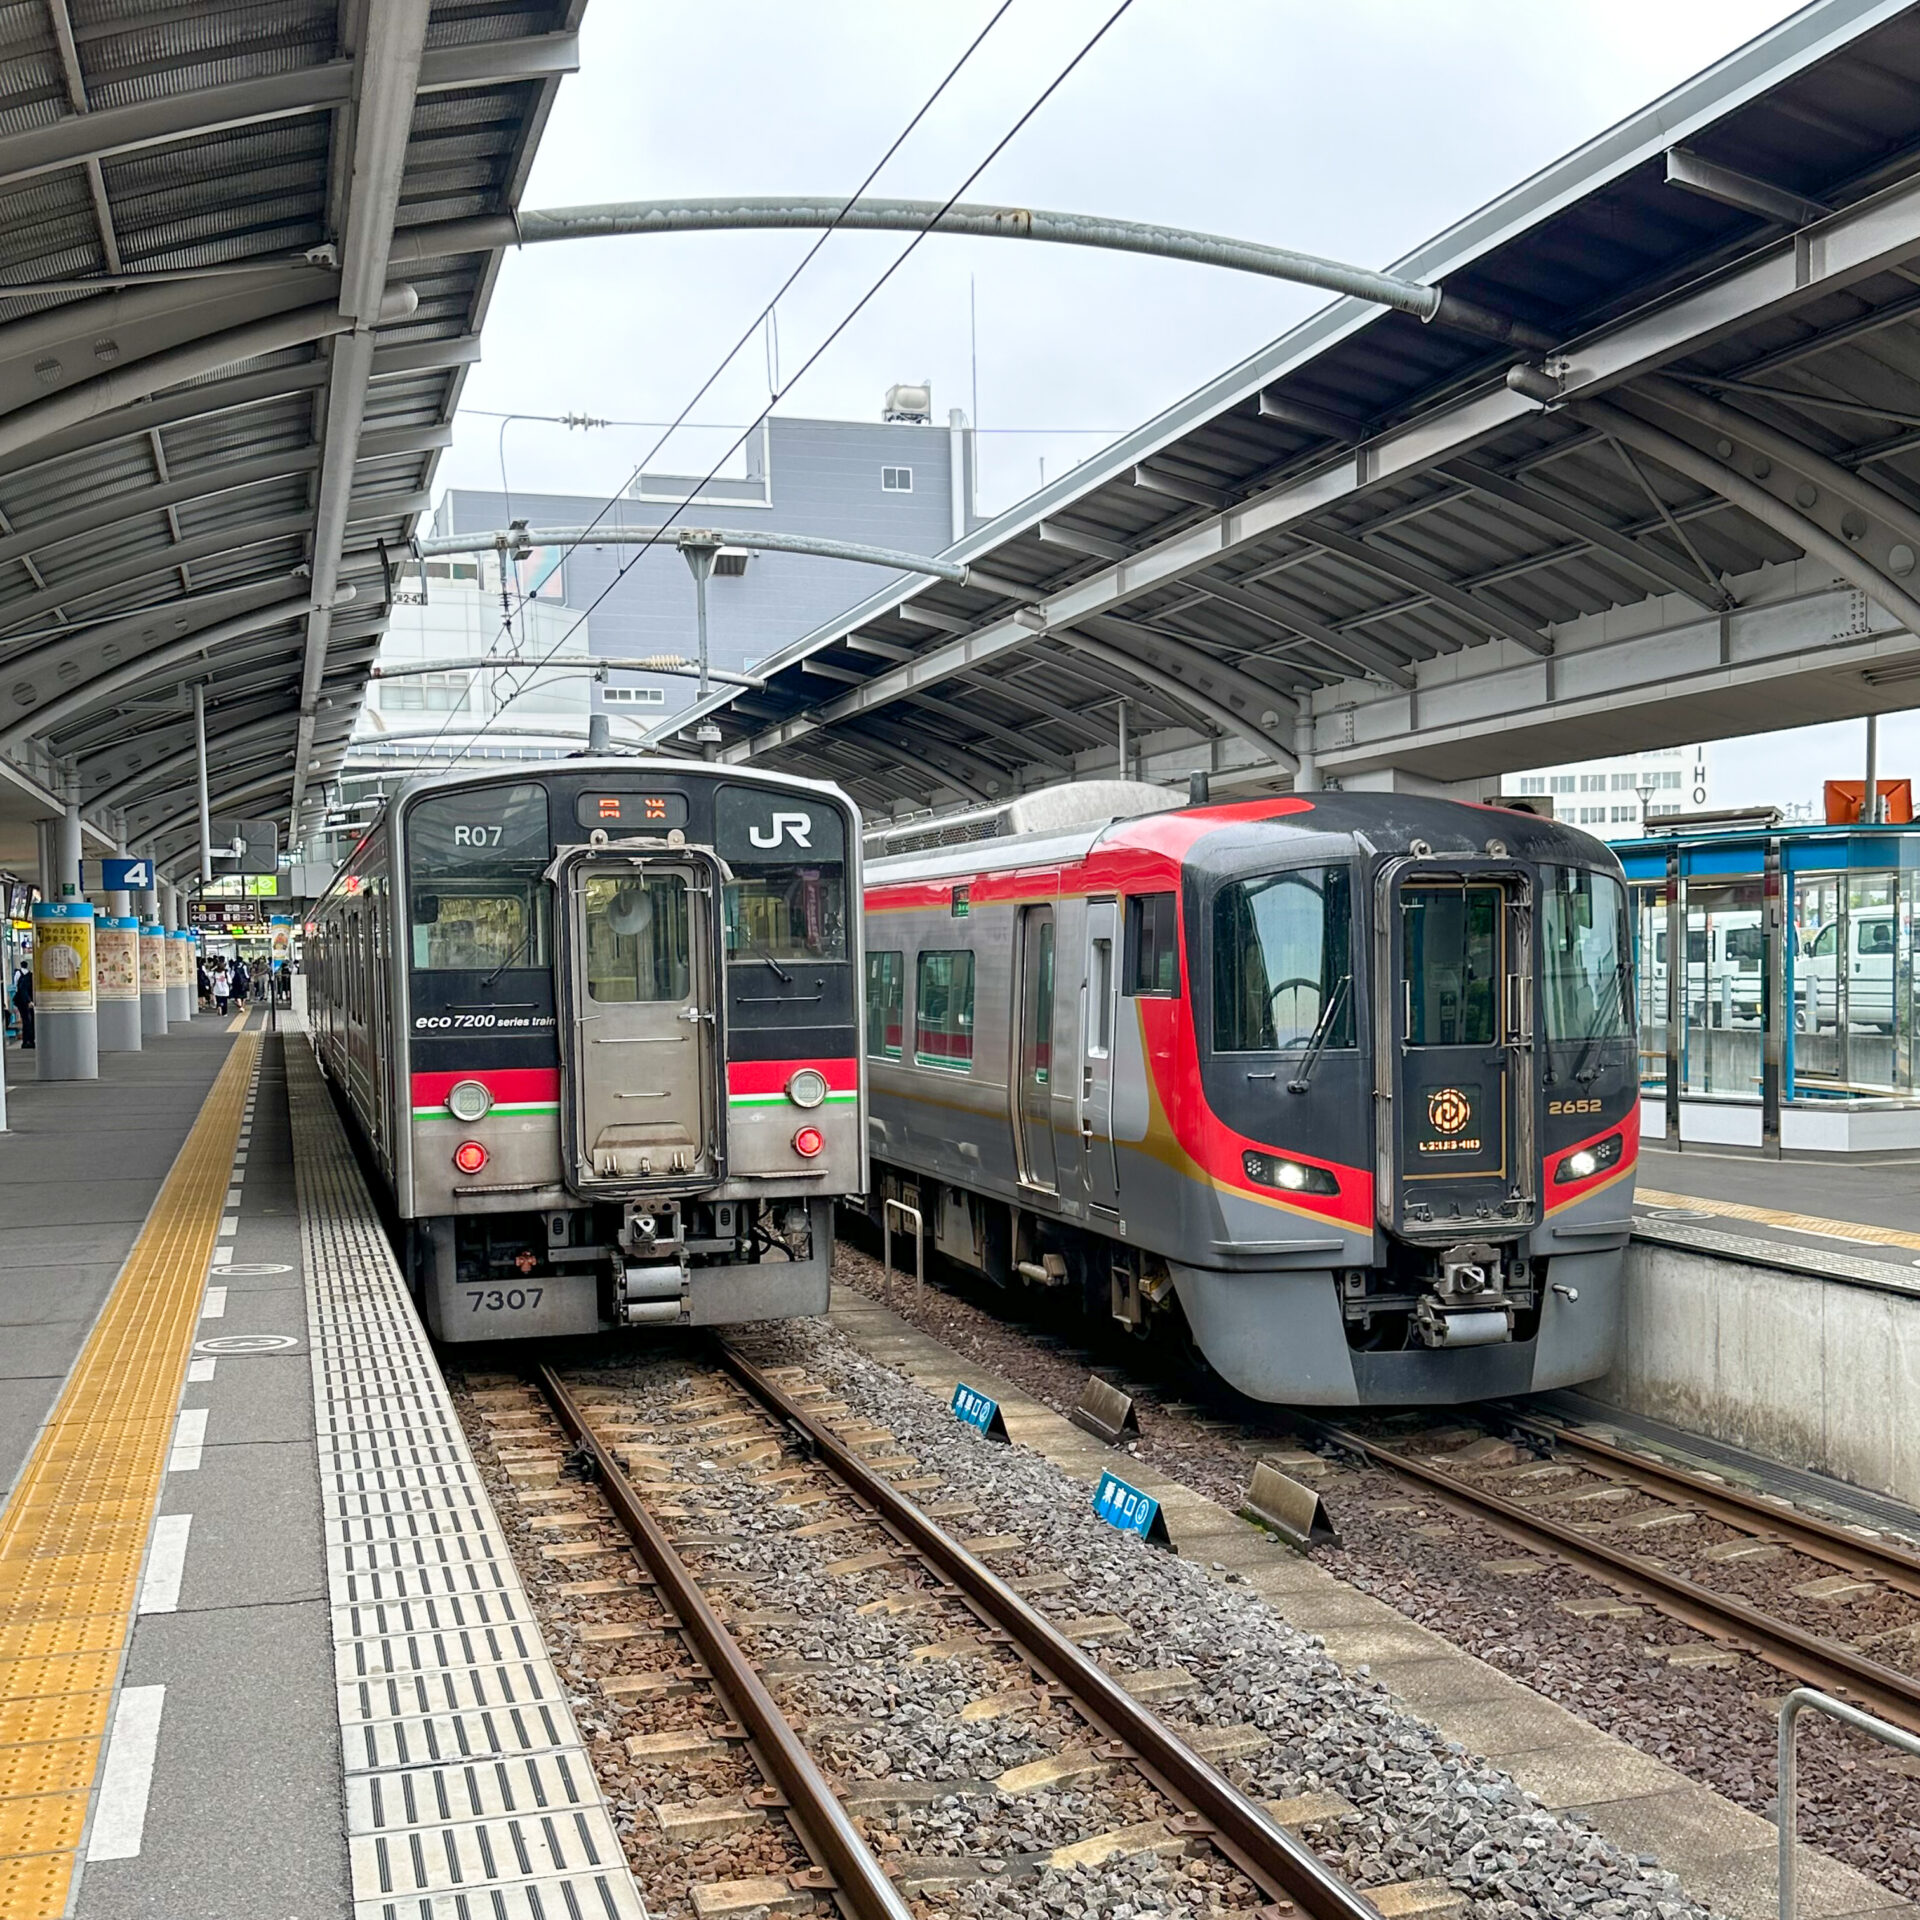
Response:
column 1808, row 1656
column 1817, row 1538
column 1266, row 1852
column 861, row 1884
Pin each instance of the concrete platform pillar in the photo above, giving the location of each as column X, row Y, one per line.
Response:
column 116, row 974
column 180, row 994
column 67, row 1033
column 153, row 980
column 66, row 832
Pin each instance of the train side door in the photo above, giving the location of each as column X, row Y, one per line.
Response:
column 1033, row 1075
column 1457, row 1154
column 1099, row 1003
column 640, row 1042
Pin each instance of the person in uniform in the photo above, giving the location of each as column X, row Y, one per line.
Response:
column 23, row 1003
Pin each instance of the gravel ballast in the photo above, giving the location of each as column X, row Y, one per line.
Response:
column 1435, row 1565
column 1421, row 1808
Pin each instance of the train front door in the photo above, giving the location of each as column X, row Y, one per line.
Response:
column 1097, row 1009
column 1033, row 1086
column 1456, row 1159
column 640, row 1043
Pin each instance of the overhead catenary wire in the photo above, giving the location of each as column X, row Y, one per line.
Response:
column 806, row 260
column 993, row 153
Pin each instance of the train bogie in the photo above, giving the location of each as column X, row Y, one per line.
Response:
column 597, row 1029
column 1346, row 1085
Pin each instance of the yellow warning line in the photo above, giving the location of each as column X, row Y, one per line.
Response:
column 74, row 1534
column 238, row 1024
column 1792, row 1222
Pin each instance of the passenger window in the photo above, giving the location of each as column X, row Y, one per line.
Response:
column 1153, row 945
column 1100, row 1001
column 638, row 944
column 943, row 1011
column 886, row 988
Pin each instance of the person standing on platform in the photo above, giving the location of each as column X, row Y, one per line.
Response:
column 241, row 982
column 23, row 1004
column 221, row 987
column 204, row 986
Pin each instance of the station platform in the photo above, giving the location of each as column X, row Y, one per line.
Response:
column 1867, row 1211
column 263, row 1651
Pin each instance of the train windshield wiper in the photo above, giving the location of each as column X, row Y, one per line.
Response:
column 762, row 957
column 1323, row 1028
column 1605, row 1025
column 526, row 941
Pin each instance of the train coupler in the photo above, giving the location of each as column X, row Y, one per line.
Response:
column 1468, row 1306
column 653, row 1292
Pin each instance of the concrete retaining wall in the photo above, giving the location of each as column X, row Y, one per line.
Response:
column 1806, row 1370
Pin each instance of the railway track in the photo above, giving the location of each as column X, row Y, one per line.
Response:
column 1515, row 1498
column 819, row 1455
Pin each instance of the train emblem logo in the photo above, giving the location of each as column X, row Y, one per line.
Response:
column 1448, row 1110
column 798, row 826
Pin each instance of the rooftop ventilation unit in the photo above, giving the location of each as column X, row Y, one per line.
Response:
column 1075, row 803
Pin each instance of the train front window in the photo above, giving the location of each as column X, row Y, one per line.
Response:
column 1281, row 949
column 477, row 893
column 1583, row 949
column 787, row 913
column 1450, row 958
column 638, row 941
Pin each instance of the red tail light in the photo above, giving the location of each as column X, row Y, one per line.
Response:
column 808, row 1141
column 469, row 1156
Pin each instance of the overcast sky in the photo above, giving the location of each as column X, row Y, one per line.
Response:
column 1355, row 131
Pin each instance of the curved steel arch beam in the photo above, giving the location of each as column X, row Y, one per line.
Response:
column 992, row 775
column 141, row 778
column 1752, row 498
column 887, row 751
column 1222, row 716
column 163, row 806
column 1198, row 668
column 730, row 214
column 140, row 566
column 129, row 673
column 1738, row 424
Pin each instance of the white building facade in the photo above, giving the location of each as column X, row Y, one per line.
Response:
column 1613, row 798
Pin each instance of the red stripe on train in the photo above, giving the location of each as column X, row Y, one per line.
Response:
column 508, row 1085
column 771, row 1076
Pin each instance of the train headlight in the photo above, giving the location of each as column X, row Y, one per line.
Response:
column 808, row 1142
column 807, row 1088
column 1290, row 1176
column 1587, row 1161
column 470, row 1156
column 469, row 1100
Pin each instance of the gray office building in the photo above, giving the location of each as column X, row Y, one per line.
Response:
column 901, row 482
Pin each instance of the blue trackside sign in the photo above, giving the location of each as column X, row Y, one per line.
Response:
column 1132, row 1511
column 977, row 1410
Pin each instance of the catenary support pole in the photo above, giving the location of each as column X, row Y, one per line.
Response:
column 200, row 756
column 1870, row 799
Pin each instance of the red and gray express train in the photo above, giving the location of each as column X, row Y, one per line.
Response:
column 597, row 1026
column 1347, row 1080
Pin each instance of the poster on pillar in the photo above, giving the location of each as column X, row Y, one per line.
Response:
column 63, row 956
column 153, row 960
column 116, row 958
column 180, row 957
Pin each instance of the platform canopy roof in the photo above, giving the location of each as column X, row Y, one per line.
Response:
column 1367, row 513
column 219, row 415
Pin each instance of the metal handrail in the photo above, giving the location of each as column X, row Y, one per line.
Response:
column 887, row 1210
column 1786, row 1809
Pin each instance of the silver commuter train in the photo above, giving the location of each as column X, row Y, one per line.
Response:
column 596, row 1026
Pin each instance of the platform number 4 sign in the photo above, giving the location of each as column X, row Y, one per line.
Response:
column 1132, row 1511
column 977, row 1410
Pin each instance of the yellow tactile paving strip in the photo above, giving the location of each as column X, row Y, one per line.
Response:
column 74, row 1534
column 1789, row 1222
